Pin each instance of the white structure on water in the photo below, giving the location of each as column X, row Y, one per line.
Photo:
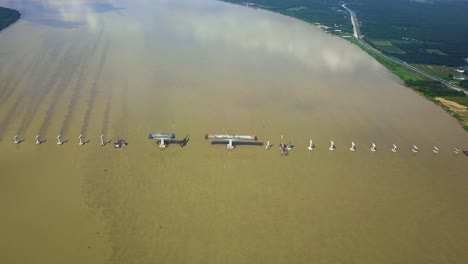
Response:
column 81, row 143
column 59, row 140
column 394, row 149
column 332, row 146
column 311, row 145
column 16, row 140
column 353, row 146
column 374, row 147
column 231, row 138
column 414, row 149
column 268, row 145
column 38, row 141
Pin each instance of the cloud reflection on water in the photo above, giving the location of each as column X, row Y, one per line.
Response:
column 211, row 21
column 255, row 29
column 65, row 13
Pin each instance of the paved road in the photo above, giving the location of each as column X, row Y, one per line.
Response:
column 357, row 35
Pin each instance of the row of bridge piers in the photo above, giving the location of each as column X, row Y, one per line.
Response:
column 164, row 138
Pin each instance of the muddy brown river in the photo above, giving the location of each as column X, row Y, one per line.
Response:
column 127, row 68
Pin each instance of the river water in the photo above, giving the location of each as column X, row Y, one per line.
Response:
column 127, row 68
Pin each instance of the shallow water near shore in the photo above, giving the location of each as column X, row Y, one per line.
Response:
column 127, row 68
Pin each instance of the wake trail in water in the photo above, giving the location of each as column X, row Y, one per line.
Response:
column 50, row 86
column 58, row 93
column 9, row 89
column 105, row 119
column 24, row 94
column 77, row 89
column 94, row 89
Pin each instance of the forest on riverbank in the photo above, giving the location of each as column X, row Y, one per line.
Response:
column 419, row 32
column 429, row 35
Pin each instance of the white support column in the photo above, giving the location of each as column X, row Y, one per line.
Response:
column 59, row 140
column 16, row 140
column 103, row 143
column 414, row 149
column 332, row 146
column 81, row 143
column 394, row 149
column 311, row 145
column 230, row 145
column 38, row 141
column 162, row 144
column 353, row 146
column 374, row 147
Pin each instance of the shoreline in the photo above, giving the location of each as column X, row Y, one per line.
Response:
column 140, row 71
column 404, row 74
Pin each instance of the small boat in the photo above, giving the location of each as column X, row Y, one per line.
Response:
column 283, row 149
column 120, row 143
column 466, row 152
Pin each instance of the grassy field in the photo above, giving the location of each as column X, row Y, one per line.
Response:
column 435, row 70
column 299, row 8
column 385, row 46
column 427, row 39
column 436, row 52
column 439, row 71
column 421, row 50
column 396, row 68
column 427, row 90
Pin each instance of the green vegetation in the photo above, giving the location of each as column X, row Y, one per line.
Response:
column 296, row 8
column 433, row 88
column 419, row 32
column 380, row 42
column 385, row 46
column 436, row 52
column 328, row 13
column 463, row 83
column 8, row 17
column 429, row 32
column 436, row 70
column 463, row 100
column 409, row 30
column 429, row 88
column 397, row 69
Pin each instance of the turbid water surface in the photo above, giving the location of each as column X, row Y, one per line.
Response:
column 126, row 68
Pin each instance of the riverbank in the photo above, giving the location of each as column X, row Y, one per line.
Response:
column 407, row 73
column 432, row 90
column 202, row 67
column 8, row 17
